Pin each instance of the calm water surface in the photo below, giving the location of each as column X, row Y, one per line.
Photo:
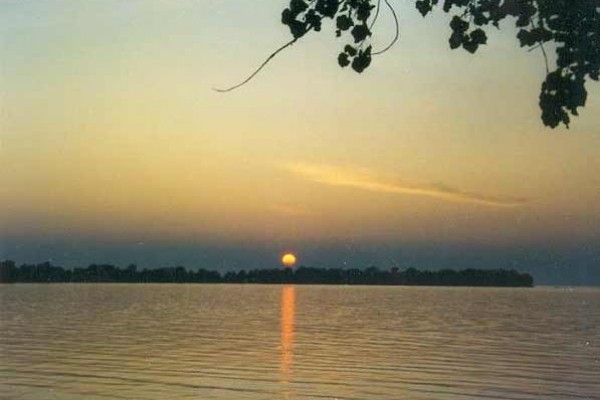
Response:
column 304, row 342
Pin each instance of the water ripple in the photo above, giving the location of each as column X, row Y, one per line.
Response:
column 268, row 342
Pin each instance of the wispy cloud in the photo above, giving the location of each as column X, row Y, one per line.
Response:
column 367, row 180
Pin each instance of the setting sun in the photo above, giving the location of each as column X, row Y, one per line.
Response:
column 288, row 260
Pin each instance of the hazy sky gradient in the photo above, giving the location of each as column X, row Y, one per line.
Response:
column 114, row 148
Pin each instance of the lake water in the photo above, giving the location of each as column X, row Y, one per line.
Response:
column 164, row 341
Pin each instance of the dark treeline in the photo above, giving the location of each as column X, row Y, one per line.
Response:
column 46, row 272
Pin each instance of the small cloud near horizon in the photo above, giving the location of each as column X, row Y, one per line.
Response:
column 367, row 180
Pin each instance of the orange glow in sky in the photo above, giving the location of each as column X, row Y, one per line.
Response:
column 428, row 148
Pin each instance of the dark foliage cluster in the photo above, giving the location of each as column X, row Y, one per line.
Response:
column 571, row 26
column 350, row 16
column 46, row 272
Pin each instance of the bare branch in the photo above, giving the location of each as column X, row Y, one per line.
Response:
column 264, row 64
column 376, row 15
column 541, row 46
column 397, row 34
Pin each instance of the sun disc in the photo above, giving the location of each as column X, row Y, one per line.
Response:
column 288, row 260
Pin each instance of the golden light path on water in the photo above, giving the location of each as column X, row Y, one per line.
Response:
column 288, row 310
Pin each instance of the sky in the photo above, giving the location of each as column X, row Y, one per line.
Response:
column 115, row 148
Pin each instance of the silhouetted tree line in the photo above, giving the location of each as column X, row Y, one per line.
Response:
column 46, row 272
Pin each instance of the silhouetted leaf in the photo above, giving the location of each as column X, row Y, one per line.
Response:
column 297, row 28
column 459, row 25
column 455, row 40
column 327, row 8
column 362, row 60
column 343, row 60
column 360, row 33
column 343, row 22
column 298, row 6
column 478, row 36
column 350, row 50
column 424, row 7
column 363, row 10
column 470, row 46
column 287, row 16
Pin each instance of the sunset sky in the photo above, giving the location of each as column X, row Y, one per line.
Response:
column 114, row 147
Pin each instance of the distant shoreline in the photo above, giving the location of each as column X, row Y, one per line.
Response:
column 107, row 273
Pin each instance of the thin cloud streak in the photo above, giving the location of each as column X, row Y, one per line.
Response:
column 366, row 180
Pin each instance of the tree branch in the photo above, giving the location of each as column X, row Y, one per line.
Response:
column 376, row 15
column 397, row 34
column 264, row 64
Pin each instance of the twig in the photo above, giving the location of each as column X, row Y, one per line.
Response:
column 376, row 15
column 545, row 58
column 273, row 54
column 541, row 46
column 397, row 34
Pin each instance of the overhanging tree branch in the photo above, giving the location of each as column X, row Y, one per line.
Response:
column 572, row 25
column 264, row 64
column 396, row 34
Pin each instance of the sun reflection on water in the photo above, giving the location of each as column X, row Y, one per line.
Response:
column 288, row 308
